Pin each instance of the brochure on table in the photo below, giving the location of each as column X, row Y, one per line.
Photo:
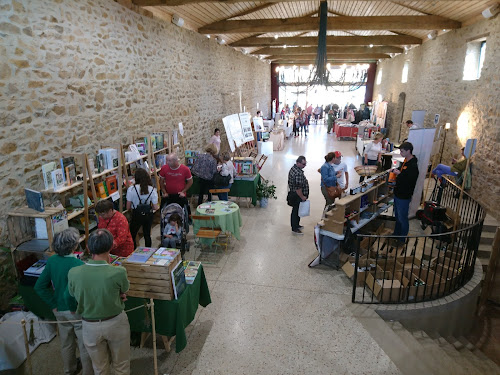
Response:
column 246, row 126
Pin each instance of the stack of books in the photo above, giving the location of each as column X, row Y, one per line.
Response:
column 191, row 271
column 164, row 256
column 36, row 269
column 141, row 255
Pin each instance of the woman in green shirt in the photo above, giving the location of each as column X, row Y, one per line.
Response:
column 51, row 287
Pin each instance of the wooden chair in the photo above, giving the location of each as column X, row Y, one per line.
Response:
column 261, row 162
column 218, row 191
column 208, row 230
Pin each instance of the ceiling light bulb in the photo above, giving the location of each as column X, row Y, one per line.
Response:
column 276, row 37
column 371, row 45
column 284, row 46
column 328, row 66
column 208, row 36
column 432, row 35
column 310, row 66
column 277, row 69
column 344, row 66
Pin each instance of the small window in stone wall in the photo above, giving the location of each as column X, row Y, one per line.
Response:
column 379, row 77
column 474, row 59
column 404, row 77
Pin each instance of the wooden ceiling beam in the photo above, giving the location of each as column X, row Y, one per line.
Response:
column 343, row 56
column 334, row 23
column 376, row 40
column 332, row 62
column 329, row 50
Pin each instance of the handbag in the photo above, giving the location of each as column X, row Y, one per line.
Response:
column 292, row 198
column 304, row 208
column 332, row 191
column 220, row 180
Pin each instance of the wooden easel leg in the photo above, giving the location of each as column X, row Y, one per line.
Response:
column 144, row 337
column 166, row 342
column 155, row 359
column 27, row 347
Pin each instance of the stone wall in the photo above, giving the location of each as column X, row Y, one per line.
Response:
column 81, row 73
column 435, row 84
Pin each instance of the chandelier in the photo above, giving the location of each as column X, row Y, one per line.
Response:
column 344, row 79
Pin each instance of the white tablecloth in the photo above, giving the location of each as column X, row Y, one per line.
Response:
column 278, row 139
column 265, row 148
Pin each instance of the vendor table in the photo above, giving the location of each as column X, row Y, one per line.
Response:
column 171, row 317
column 278, row 139
column 361, row 143
column 241, row 188
column 346, row 131
column 227, row 218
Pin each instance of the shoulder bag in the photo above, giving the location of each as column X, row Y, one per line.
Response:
column 332, row 191
column 143, row 209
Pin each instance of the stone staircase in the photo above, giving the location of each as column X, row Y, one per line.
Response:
column 485, row 243
column 421, row 353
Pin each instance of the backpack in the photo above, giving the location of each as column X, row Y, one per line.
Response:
column 143, row 209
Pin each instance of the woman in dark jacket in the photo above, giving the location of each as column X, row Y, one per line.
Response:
column 204, row 168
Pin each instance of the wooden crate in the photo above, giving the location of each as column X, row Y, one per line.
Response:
column 148, row 280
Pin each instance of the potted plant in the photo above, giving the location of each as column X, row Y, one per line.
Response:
column 265, row 190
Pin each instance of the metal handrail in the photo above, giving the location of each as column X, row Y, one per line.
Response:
column 392, row 276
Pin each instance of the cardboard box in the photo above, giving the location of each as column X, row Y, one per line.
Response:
column 448, row 274
column 433, row 283
column 389, row 265
column 332, row 226
column 348, row 268
column 386, row 286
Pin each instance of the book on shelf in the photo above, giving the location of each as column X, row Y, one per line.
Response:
column 34, row 199
column 166, row 253
column 36, row 269
column 70, row 174
column 57, row 179
column 41, row 229
column 47, row 174
column 66, row 162
column 110, row 156
column 102, row 190
column 112, row 184
column 91, row 166
column 141, row 147
column 77, row 201
column 141, row 255
column 100, row 163
column 178, row 279
column 60, row 222
column 160, row 160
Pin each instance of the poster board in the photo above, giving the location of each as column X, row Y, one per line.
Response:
column 258, row 124
column 418, row 118
column 420, row 139
column 227, row 125
column 246, row 127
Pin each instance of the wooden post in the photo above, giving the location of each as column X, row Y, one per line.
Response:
column 155, row 359
column 27, row 347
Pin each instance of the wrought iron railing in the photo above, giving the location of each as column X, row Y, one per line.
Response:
column 395, row 269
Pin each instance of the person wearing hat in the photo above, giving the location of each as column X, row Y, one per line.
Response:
column 340, row 166
column 205, row 167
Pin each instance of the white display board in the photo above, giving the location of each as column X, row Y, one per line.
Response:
column 421, row 139
column 246, row 126
column 227, row 125
column 418, row 118
column 258, row 124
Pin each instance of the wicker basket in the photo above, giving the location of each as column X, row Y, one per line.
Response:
column 366, row 170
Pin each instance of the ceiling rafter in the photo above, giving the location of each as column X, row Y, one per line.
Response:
column 330, row 50
column 337, row 23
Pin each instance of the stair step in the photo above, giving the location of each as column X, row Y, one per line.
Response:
column 485, row 239
column 489, row 228
column 490, row 366
column 484, row 254
column 402, row 356
column 444, row 364
column 466, row 366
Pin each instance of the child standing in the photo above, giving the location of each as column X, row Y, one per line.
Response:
column 172, row 231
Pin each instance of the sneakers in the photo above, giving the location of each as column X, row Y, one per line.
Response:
column 301, row 227
column 298, row 232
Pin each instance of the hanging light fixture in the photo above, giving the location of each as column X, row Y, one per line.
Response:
column 321, row 73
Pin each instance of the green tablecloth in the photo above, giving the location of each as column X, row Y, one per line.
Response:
column 240, row 188
column 227, row 218
column 171, row 317
column 34, row 303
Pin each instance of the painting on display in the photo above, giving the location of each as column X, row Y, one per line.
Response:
column 246, row 127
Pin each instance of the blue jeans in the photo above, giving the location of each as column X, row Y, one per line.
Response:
column 442, row 169
column 401, row 208
column 224, row 196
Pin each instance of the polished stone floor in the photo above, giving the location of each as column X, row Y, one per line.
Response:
column 270, row 313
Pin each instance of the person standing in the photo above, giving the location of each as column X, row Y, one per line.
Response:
column 142, row 199
column 51, row 286
column 309, row 111
column 298, row 188
column 117, row 224
column 340, row 166
column 175, row 181
column 215, row 140
column 328, row 177
column 99, row 288
column 406, row 179
column 372, row 152
column 330, row 120
column 204, row 168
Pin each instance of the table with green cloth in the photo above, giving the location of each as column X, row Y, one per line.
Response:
column 240, row 188
column 171, row 317
column 227, row 217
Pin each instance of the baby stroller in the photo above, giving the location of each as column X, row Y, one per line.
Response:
column 166, row 212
